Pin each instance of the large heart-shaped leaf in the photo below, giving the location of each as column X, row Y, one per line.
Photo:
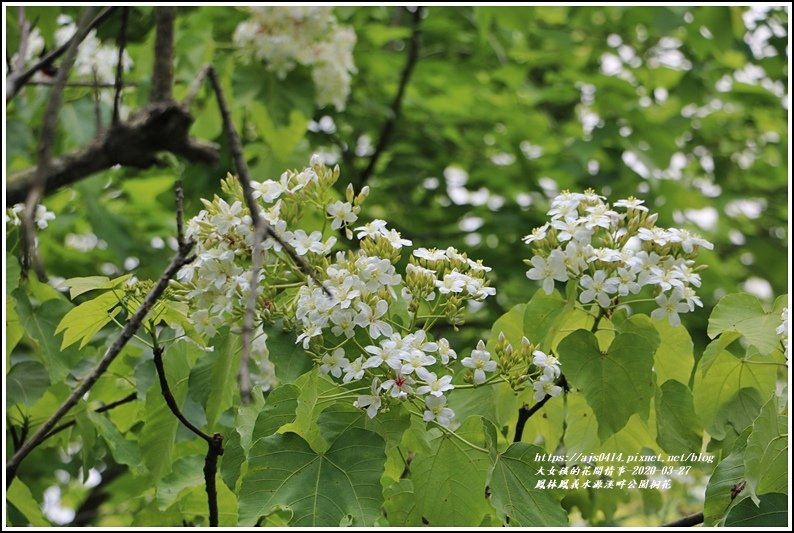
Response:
column 321, row 489
column 616, row 383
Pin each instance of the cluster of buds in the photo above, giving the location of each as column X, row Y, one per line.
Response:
column 527, row 365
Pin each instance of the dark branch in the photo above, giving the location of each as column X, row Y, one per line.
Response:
column 119, row 85
column 687, row 521
column 394, row 111
column 30, row 255
column 214, row 442
column 525, row 412
column 112, row 352
column 17, row 80
column 112, row 405
column 163, row 71
column 136, row 143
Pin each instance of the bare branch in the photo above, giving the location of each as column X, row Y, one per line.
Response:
column 24, row 38
column 136, row 143
column 30, row 256
column 394, row 111
column 111, row 353
column 163, row 71
column 248, row 319
column 122, row 43
column 687, row 521
column 180, row 213
column 16, row 80
column 195, row 86
column 525, row 412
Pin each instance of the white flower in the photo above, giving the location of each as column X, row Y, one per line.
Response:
column 548, row 363
column 691, row 298
column 452, row 282
column 304, row 243
column 538, row 234
column 341, row 214
column 631, row 203
column 334, row 363
column 669, row 307
column 545, row 386
column 572, row 229
column 395, row 239
column 268, row 190
column 227, row 217
column 387, row 352
column 437, row 410
column 445, row 351
column 354, row 370
column 372, row 230
column 371, row 402
column 626, row 282
column 480, row 361
column 434, row 385
column 548, row 269
column 598, row 287
column 430, row 255
column 607, row 255
column 399, row 386
column 369, row 318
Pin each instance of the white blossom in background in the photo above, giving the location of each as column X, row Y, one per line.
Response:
column 285, row 37
column 94, row 59
column 782, row 330
column 42, row 218
column 612, row 255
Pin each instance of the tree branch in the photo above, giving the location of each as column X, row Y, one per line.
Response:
column 30, row 256
column 24, row 37
column 214, row 442
column 687, row 521
column 261, row 227
column 525, row 412
column 180, row 213
column 126, row 334
column 122, row 42
column 16, row 80
column 394, row 111
column 107, row 407
column 155, row 128
column 163, row 71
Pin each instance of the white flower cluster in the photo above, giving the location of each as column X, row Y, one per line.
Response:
column 611, row 254
column 284, row 37
column 782, row 330
column 95, row 61
column 42, row 217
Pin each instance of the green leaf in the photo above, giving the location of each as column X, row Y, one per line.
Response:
column 674, row 357
column 290, row 359
column 124, row 451
column 25, row 383
column 321, row 489
column 85, row 320
column 40, row 324
column 449, row 481
column 540, row 317
column 341, row 417
column 400, row 504
column 187, row 471
column 726, row 375
column 740, row 411
column 676, row 422
column 78, row 286
column 239, row 441
column 716, row 347
column 511, row 324
column 88, row 433
column 280, row 407
column 743, row 313
column 608, row 379
column 766, row 455
column 772, row 511
column 311, row 403
column 192, row 506
column 18, row 495
column 159, row 432
column 213, row 380
column 728, row 474
column 14, row 329
column 513, row 491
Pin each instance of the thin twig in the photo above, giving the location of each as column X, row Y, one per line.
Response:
column 245, row 182
column 163, row 71
column 258, row 254
column 214, row 442
column 394, row 111
column 97, row 108
column 687, row 521
column 195, row 87
column 24, row 38
column 525, row 412
column 17, row 80
column 83, row 84
column 111, row 353
column 180, row 213
column 30, row 255
column 107, row 407
column 122, row 43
